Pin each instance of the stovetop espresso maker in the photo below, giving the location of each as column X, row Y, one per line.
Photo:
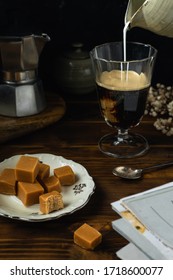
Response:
column 21, row 90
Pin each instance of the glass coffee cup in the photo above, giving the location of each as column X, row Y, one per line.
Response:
column 122, row 88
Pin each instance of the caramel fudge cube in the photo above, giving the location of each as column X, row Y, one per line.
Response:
column 65, row 174
column 50, row 202
column 44, row 171
column 87, row 237
column 29, row 193
column 27, row 169
column 51, row 183
column 8, row 182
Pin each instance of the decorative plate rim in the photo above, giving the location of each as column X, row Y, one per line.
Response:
column 84, row 188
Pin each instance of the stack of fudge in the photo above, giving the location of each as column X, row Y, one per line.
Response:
column 32, row 183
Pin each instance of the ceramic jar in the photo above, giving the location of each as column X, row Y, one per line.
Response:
column 73, row 70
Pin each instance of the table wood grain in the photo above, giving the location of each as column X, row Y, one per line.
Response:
column 75, row 137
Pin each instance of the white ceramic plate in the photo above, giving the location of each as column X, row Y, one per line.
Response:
column 74, row 197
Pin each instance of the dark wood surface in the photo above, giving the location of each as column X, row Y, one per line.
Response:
column 75, row 137
column 12, row 127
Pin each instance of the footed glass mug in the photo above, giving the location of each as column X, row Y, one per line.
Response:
column 122, row 88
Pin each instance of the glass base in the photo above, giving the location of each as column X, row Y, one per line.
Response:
column 132, row 145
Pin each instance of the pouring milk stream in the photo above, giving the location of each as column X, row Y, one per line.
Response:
column 153, row 15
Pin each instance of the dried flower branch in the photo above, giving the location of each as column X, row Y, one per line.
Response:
column 160, row 105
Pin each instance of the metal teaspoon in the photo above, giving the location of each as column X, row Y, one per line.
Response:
column 132, row 173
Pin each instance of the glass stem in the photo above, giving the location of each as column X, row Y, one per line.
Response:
column 122, row 134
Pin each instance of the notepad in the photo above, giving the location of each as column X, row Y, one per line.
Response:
column 147, row 221
column 155, row 211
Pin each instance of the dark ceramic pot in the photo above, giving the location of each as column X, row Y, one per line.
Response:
column 73, row 71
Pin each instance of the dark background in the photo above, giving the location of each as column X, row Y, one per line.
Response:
column 88, row 21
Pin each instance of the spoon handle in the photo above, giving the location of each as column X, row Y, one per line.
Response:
column 158, row 166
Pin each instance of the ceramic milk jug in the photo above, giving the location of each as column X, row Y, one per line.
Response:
column 153, row 15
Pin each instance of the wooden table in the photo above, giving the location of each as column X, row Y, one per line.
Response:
column 75, row 137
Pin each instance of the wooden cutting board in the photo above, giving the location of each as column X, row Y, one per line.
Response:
column 13, row 127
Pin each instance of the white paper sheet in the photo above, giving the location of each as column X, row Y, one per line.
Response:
column 131, row 252
column 124, row 228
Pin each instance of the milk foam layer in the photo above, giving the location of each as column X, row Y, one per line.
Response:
column 123, row 80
